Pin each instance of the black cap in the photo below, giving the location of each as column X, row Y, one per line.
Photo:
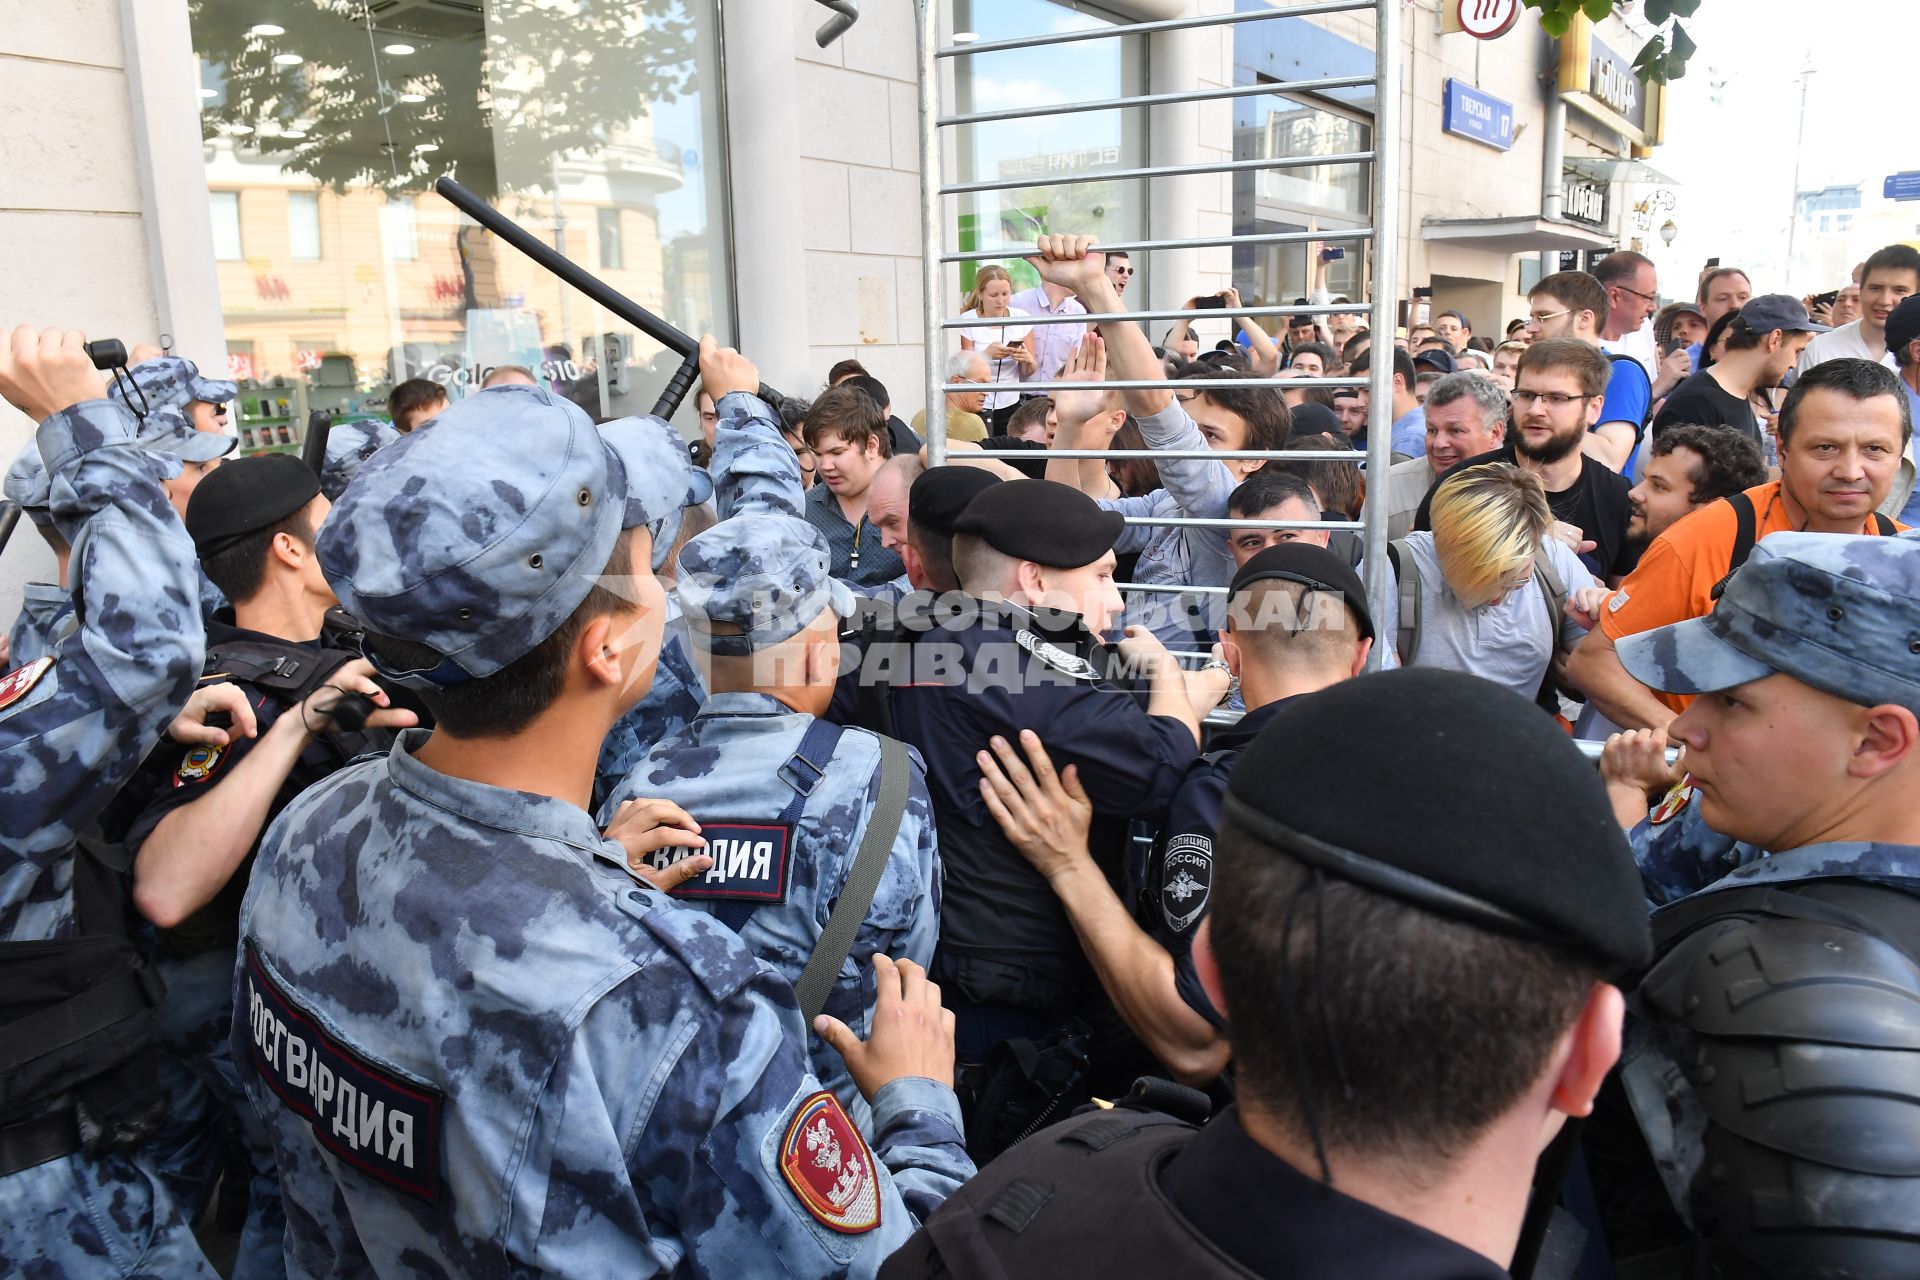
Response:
column 1474, row 805
column 1436, row 358
column 1042, row 521
column 939, row 495
column 1313, row 566
column 1903, row 325
column 247, row 495
column 1312, row 419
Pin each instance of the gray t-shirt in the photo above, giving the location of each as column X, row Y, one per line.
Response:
column 1509, row 643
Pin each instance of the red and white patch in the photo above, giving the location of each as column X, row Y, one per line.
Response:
column 827, row 1163
column 1674, row 803
column 15, row 685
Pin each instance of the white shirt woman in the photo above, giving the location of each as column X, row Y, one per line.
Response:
column 999, row 332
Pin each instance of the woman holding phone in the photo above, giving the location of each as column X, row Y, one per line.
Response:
column 999, row 333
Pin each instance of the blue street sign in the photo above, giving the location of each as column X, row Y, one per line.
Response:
column 1479, row 116
column 1902, row 186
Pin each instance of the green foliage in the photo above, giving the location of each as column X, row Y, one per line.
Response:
column 1660, row 60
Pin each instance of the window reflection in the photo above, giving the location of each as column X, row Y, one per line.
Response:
column 592, row 123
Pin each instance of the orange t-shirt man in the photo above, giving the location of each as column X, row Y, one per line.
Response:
column 1678, row 572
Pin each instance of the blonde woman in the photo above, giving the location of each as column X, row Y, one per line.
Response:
column 1000, row 334
column 1480, row 606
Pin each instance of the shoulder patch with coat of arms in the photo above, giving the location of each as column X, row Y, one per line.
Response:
column 1674, row 803
column 1186, row 880
column 198, row 765
column 829, row 1166
column 16, row 685
column 1054, row 656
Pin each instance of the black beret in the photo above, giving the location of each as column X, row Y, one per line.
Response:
column 1316, row 567
column 939, row 495
column 1310, row 419
column 1468, row 802
column 1043, row 521
column 246, row 495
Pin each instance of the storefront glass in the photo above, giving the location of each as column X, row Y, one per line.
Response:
column 1326, row 197
column 1040, row 146
column 594, row 124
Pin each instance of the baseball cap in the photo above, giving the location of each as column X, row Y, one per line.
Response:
column 1530, row 851
column 763, row 578
column 1903, row 324
column 171, row 381
column 1835, row 611
column 479, row 536
column 1312, row 566
column 1436, row 358
column 167, row 432
column 1772, row 311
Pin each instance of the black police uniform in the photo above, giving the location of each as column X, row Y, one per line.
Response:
column 1138, row 1193
column 1177, row 888
column 276, row 675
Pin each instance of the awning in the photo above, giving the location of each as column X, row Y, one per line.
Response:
column 1514, row 235
column 1612, row 169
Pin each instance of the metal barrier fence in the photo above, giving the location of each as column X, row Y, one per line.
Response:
column 1384, row 279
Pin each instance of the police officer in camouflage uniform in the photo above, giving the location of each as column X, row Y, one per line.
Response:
column 76, row 1098
column 349, row 445
column 758, row 769
column 482, row 1046
column 753, row 465
column 253, row 523
column 171, row 382
column 180, row 456
column 1772, row 1065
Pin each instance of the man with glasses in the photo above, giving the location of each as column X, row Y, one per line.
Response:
column 963, row 407
column 1560, row 385
column 1573, row 304
column 1119, row 270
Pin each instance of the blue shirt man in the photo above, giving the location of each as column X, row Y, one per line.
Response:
column 481, row 1045
column 74, row 725
column 758, row 770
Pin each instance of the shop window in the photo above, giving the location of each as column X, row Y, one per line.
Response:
column 595, row 124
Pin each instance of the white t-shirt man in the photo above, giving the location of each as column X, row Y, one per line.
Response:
column 1836, row 344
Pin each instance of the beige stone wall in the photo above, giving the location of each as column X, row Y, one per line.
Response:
column 73, row 251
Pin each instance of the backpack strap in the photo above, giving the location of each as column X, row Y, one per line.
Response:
column 802, row 772
column 1744, row 528
column 876, row 846
column 1547, row 578
column 1884, row 525
column 1407, row 640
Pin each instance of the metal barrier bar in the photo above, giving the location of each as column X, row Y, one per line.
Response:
column 1160, row 171
column 1203, row 242
column 1114, row 317
column 1161, row 384
column 1197, row 455
column 1172, row 588
column 933, row 276
column 1228, row 522
column 1386, row 293
column 1161, row 99
column 1150, row 28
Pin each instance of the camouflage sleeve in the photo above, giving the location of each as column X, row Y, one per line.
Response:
column 919, row 840
column 74, row 738
column 760, row 1169
column 754, row 468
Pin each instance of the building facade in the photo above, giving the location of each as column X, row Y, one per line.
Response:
column 248, row 182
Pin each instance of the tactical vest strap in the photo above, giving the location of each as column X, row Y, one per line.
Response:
column 803, row 771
